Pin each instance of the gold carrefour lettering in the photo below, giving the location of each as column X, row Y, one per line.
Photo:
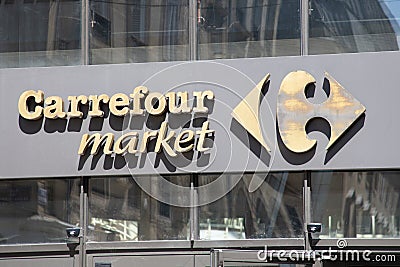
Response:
column 119, row 100
column 23, row 105
column 95, row 106
column 54, row 108
column 183, row 105
column 200, row 97
column 75, row 100
column 138, row 93
column 149, row 103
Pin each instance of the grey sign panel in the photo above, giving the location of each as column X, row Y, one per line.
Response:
column 49, row 147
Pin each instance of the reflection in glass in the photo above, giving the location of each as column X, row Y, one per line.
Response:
column 120, row 210
column 273, row 210
column 138, row 31
column 39, row 33
column 357, row 204
column 243, row 29
column 33, row 211
column 354, row 26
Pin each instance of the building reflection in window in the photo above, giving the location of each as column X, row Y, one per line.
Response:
column 39, row 33
column 357, row 204
column 138, row 31
column 354, row 26
column 273, row 210
column 119, row 211
column 38, row 211
column 248, row 28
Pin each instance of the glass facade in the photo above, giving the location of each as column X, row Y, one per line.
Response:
column 362, row 204
column 120, row 210
column 243, row 29
column 273, row 210
column 48, row 33
column 354, row 26
column 40, row 33
column 358, row 204
column 138, row 31
column 38, row 211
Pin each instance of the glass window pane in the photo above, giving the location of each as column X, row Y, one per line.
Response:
column 354, row 26
column 138, row 31
column 357, row 204
column 39, row 33
column 273, row 210
column 38, row 211
column 248, row 28
column 119, row 210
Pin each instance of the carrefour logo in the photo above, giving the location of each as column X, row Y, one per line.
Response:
column 294, row 111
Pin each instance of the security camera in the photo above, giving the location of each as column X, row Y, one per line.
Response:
column 314, row 227
column 73, row 232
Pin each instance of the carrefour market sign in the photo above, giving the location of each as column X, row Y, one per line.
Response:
column 329, row 112
column 30, row 107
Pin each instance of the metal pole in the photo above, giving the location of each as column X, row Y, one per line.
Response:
column 194, row 221
column 193, row 18
column 82, row 223
column 83, row 216
column 85, row 32
column 304, row 26
column 216, row 258
column 307, row 214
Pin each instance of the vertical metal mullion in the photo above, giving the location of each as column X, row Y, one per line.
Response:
column 194, row 212
column 193, row 30
column 306, row 211
column 85, row 31
column 304, row 26
column 83, row 221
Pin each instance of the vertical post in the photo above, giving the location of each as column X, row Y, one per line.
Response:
column 304, row 26
column 306, row 214
column 83, row 215
column 193, row 20
column 373, row 225
column 81, row 222
column 85, row 32
column 194, row 222
column 216, row 258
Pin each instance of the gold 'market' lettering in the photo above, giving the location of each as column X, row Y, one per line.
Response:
column 162, row 141
column 146, row 139
column 163, row 137
column 97, row 140
column 23, row 105
column 183, row 138
column 202, row 137
column 130, row 147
